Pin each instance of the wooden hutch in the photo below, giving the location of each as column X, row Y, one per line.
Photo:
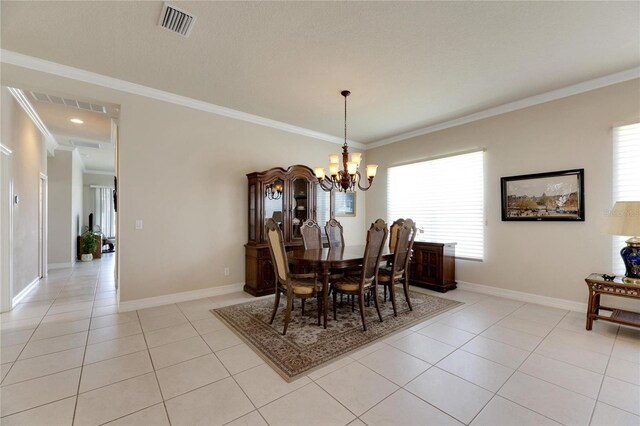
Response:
column 288, row 196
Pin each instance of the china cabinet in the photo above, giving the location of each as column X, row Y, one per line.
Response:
column 289, row 197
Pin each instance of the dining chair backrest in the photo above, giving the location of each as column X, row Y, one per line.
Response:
column 334, row 234
column 311, row 235
column 393, row 234
column 402, row 254
column 278, row 253
column 376, row 238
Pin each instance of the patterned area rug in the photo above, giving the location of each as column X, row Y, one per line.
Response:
column 307, row 346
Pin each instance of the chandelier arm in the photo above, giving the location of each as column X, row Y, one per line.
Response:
column 326, row 186
column 362, row 188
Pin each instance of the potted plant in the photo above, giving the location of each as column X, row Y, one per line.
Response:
column 89, row 244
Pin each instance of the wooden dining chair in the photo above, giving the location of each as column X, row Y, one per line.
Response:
column 311, row 234
column 398, row 271
column 334, row 234
column 393, row 238
column 366, row 282
column 302, row 286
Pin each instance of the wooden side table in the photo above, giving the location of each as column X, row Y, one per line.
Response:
column 598, row 286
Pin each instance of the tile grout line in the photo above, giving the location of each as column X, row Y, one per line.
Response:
column 229, row 372
column 155, row 374
column 75, row 408
column 604, row 375
column 537, row 378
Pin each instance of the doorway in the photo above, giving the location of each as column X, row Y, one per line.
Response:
column 6, row 229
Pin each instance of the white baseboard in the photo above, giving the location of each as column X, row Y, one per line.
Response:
column 524, row 297
column 185, row 296
column 59, row 265
column 16, row 299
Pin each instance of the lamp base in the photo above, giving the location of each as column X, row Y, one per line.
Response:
column 631, row 258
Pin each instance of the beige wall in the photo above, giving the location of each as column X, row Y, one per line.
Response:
column 28, row 161
column 60, row 242
column 182, row 171
column 544, row 258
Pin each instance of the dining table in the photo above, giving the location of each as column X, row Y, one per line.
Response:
column 327, row 261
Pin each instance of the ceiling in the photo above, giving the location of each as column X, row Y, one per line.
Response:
column 92, row 138
column 409, row 65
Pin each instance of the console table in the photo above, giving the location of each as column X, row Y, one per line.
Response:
column 598, row 286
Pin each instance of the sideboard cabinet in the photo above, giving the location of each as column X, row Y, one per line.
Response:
column 433, row 266
column 289, row 197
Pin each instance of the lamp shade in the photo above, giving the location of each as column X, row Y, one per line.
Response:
column 624, row 219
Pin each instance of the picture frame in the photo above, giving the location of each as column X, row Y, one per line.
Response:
column 345, row 204
column 550, row 196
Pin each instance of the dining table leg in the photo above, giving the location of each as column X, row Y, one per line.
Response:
column 325, row 293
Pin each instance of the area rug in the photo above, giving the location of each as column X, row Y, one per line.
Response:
column 307, row 346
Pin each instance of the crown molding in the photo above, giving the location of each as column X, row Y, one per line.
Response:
column 37, row 64
column 553, row 95
column 23, row 101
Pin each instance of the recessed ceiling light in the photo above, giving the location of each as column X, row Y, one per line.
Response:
column 76, row 121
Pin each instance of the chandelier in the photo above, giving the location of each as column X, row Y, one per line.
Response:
column 273, row 191
column 349, row 177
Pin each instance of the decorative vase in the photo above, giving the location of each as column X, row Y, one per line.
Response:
column 88, row 257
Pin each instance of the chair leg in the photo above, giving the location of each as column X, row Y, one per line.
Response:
column 361, row 303
column 392, row 296
column 353, row 303
column 375, row 301
column 302, row 301
column 320, row 307
column 287, row 315
column 275, row 307
column 406, row 293
column 385, row 294
column 334, row 303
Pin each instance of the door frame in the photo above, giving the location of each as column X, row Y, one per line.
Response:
column 43, row 209
column 6, row 229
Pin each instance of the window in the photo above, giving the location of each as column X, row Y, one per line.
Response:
column 105, row 215
column 322, row 207
column 626, row 175
column 445, row 197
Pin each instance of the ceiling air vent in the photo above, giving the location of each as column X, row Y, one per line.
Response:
column 73, row 103
column 176, row 20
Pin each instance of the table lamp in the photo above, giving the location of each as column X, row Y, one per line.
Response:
column 624, row 219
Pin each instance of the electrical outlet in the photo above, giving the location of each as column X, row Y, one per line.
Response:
column 138, row 223
column 226, row 272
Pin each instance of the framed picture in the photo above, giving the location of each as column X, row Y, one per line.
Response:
column 345, row 203
column 557, row 196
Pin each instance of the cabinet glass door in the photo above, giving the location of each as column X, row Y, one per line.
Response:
column 252, row 212
column 274, row 201
column 300, row 191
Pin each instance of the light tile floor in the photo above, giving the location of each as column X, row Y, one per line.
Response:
column 68, row 357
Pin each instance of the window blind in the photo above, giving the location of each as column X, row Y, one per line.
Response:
column 322, row 207
column 445, row 197
column 105, row 215
column 626, row 178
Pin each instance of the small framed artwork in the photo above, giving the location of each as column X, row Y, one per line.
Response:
column 557, row 196
column 345, row 203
